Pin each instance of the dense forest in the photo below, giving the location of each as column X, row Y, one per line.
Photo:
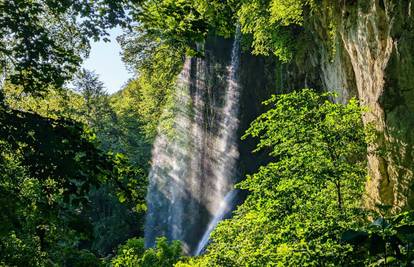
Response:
column 254, row 133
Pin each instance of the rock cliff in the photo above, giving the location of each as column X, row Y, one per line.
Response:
column 366, row 49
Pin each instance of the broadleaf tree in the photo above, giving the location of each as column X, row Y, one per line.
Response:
column 310, row 192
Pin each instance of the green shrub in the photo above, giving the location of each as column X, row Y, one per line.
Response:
column 134, row 254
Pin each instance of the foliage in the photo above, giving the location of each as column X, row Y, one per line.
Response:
column 141, row 50
column 111, row 118
column 62, row 209
column 19, row 196
column 39, row 225
column 148, row 98
column 157, row 65
column 55, row 104
column 185, row 22
column 56, row 171
column 41, row 41
column 385, row 241
column 92, row 90
column 301, row 202
column 97, row 111
column 273, row 24
column 81, row 258
column 116, row 209
column 133, row 253
column 132, row 138
column 98, row 199
column 55, row 148
column 157, row 60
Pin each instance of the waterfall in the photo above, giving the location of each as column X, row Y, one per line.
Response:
column 169, row 164
column 193, row 164
column 227, row 146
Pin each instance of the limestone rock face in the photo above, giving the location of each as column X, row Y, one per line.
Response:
column 374, row 60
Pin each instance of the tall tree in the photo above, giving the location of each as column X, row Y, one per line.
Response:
column 301, row 202
column 96, row 100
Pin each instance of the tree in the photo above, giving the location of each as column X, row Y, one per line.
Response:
column 301, row 202
column 67, row 194
column 98, row 112
column 45, row 183
column 57, row 164
column 185, row 22
column 42, row 41
column 55, row 104
column 115, row 210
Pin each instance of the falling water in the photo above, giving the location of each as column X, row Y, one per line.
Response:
column 169, row 163
column 194, row 164
column 227, row 146
column 225, row 208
